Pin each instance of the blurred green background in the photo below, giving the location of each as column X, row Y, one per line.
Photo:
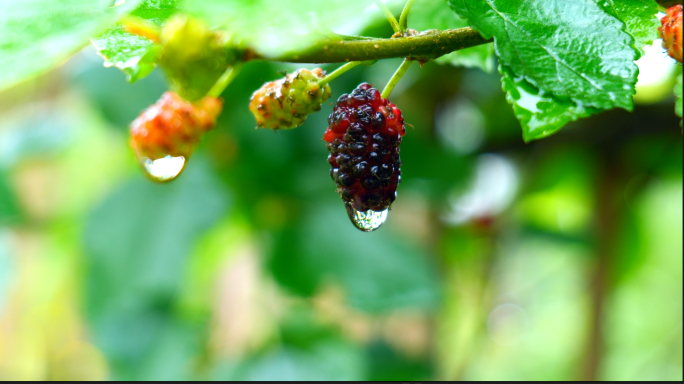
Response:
column 555, row 260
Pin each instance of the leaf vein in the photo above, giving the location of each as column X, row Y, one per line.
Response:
column 557, row 59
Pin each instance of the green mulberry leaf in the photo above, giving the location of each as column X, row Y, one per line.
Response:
column 570, row 49
column 540, row 114
column 639, row 17
column 135, row 55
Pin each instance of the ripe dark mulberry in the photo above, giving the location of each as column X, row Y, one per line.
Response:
column 285, row 103
column 363, row 139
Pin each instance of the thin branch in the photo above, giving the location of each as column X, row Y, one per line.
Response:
column 425, row 46
column 388, row 14
column 607, row 220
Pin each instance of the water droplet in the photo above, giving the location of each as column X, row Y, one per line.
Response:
column 367, row 221
column 164, row 169
column 529, row 101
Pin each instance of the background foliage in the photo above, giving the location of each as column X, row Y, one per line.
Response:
column 558, row 259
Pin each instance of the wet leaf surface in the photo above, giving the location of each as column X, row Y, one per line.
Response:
column 36, row 35
column 135, row 55
column 540, row 114
column 571, row 49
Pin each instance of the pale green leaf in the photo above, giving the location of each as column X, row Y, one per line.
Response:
column 36, row 35
column 275, row 27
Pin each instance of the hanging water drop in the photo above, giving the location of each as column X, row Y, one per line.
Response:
column 367, row 221
column 164, row 169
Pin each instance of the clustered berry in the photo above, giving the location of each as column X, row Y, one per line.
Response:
column 363, row 138
column 671, row 32
column 285, row 103
column 173, row 126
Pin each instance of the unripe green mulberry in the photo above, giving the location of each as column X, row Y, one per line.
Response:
column 285, row 103
column 193, row 56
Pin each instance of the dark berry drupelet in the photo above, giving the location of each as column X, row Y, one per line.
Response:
column 363, row 138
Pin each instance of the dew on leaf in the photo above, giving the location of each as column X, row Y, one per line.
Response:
column 367, row 221
column 529, row 101
column 164, row 169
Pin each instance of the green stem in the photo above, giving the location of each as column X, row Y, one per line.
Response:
column 388, row 14
column 423, row 47
column 403, row 19
column 228, row 76
column 396, row 77
column 334, row 74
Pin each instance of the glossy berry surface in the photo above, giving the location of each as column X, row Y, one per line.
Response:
column 173, row 126
column 671, row 32
column 363, row 139
column 285, row 103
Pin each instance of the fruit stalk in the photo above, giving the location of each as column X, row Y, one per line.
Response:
column 339, row 71
column 226, row 78
column 396, row 77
